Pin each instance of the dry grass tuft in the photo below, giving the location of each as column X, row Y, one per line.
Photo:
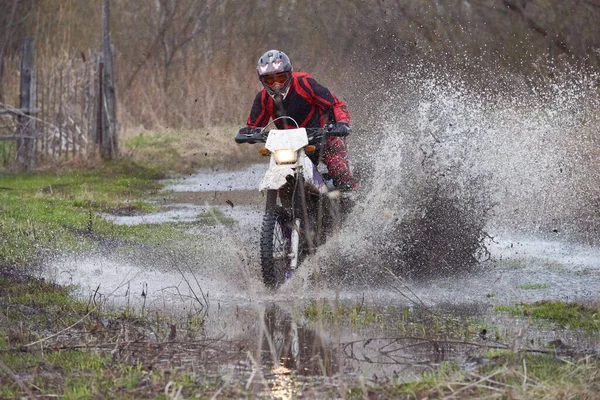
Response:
column 184, row 151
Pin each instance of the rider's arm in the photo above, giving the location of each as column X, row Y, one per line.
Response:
column 259, row 115
column 325, row 99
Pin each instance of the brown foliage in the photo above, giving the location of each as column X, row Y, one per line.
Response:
column 185, row 63
column 13, row 29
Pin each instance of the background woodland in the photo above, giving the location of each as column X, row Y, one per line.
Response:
column 191, row 63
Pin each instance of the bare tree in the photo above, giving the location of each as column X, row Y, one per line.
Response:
column 12, row 28
column 175, row 23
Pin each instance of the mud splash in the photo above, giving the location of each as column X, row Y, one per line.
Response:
column 449, row 162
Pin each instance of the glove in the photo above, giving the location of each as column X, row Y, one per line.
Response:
column 244, row 135
column 342, row 129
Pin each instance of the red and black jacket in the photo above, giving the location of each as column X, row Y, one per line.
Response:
column 309, row 103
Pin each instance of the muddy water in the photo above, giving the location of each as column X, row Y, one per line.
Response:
column 296, row 355
column 528, row 158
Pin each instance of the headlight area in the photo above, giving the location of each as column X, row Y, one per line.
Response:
column 285, row 156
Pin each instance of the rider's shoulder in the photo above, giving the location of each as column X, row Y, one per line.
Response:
column 262, row 95
column 300, row 75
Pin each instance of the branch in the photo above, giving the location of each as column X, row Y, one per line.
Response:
column 18, row 381
column 63, row 330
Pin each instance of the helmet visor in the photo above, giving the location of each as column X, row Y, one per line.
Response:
column 271, row 80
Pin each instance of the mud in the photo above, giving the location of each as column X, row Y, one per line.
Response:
column 218, row 180
column 231, row 198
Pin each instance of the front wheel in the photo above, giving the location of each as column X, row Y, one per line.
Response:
column 276, row 242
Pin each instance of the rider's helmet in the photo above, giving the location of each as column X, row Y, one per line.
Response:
column 275, row 72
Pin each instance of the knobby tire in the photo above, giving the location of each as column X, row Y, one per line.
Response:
column 274, row 270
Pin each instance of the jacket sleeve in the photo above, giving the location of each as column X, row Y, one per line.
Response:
column 327, row 100
column 259, row 115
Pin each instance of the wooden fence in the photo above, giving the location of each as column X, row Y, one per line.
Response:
column 66, row 100
column 66, row 109
column 61, row 122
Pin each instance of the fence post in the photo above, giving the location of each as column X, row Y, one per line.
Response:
column 96, row 117
column 109, row 146
column 27, row 131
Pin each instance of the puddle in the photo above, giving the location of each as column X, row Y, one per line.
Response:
column 175, row 213
column 229, row 198
column 265, row 338
column 540, row 250
column 522, row 268
column 222, row 181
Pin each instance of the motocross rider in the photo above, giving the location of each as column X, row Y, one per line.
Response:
column 299, row 96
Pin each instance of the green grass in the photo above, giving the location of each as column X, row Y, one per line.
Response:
column 37, row 293
column 403, row 321
column 495, row 353
column 214, row 217
column 534, row 286
column 563, row 315
column 8, row 149
column 73, row 374
column 50, row 212
column 521, row 376
column 157, row 148
column 357, row 315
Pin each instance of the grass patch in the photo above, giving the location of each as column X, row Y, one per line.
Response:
column 8, row 149
column 357, row 315
column 32, row 307
column 495, row 353
column 563, row 315
column 49, row 212
column 522, row 376
column 403, row 321
column 534, row 286
column 214, row 217
column 54, row 211
column 76, row 374
column 183, row 151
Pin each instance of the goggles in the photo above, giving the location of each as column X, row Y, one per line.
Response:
column 271, row 80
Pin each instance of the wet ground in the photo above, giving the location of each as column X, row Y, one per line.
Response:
column 386, row 332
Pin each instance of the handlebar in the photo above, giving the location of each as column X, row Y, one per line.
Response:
column 315, row 135
column 248, row 135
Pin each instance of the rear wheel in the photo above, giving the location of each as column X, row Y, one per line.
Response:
column 276, row 242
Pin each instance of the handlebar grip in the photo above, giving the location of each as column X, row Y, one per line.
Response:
column 338, row 130
column 248, row 135
column 339, row 133
column 240, row 138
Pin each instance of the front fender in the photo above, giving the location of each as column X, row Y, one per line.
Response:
column 275, row 176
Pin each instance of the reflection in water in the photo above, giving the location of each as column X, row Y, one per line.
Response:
column 291, row 352
column 294, row 347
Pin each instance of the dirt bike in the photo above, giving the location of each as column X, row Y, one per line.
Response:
column 302, row 206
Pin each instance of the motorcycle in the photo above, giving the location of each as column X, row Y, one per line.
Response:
column 302, row 206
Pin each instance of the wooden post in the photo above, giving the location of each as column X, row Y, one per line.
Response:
column 109, row 145
column 97, row 119
column 55, row 121
column 61, row 115
column 94, row 96
column 27, row 131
